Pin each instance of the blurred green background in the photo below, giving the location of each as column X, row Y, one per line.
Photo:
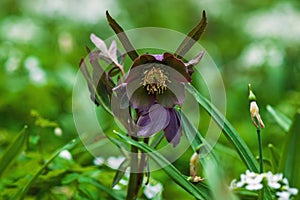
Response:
column 42, row 42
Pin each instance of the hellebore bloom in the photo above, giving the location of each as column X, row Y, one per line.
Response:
column 153, row 86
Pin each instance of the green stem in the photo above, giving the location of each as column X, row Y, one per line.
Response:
column 260, row 151
column 133, row 188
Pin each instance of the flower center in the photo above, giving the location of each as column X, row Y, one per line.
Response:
column 155, row 81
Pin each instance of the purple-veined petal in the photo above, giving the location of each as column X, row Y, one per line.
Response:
column 173, row 130
column 156, row 119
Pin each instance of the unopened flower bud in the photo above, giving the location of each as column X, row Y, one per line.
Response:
column 254, row 110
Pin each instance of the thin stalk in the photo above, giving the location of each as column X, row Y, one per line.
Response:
column 133, row 190
column 260, row 151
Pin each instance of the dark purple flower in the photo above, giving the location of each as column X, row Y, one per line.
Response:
column 153, row 86
column 156, row 79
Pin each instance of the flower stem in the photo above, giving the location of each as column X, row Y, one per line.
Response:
column 260, row 151
column 133, row 185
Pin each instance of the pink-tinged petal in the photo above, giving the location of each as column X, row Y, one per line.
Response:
column 194, row 62
column 156, row 119
column 173, row 130
column 176, row 64
column 174, row 95
column 99, row 43
column 158, row 57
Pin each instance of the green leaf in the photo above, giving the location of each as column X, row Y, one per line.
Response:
column 193, row 36
column 283, row 121
column 120, row 172
column 22, row 192
column 230, row 133
column 13, row 150
column 108, row 191
column 290, row 161
column 200, row 191
column 215, row 174
column 122, row 37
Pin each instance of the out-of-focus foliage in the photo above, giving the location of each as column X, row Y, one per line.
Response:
column 42, row 41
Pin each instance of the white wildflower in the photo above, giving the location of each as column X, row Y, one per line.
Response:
column 98, row 161
column 151, row 191
column 65, row 154
column 58, row 131
column 115, row 162
column 273, row 180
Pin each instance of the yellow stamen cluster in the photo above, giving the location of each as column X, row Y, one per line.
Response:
column 155, row 81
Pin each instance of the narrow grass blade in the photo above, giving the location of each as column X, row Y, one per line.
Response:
column 200, row 191
column 122, row 37
column 230, row 133
column 13, row 150
column 283, row 121
column 209, row 161
column 108, row 191
column 290, row 160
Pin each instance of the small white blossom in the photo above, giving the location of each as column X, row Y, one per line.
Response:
column 117, row 187
column 123, row 182
column 115, row 162
column 254, row 181
column 233, row 184
column 98, row 161
column 273, row 180
column 58, row 131
column 151, row 191
column 284, row 195
column 65, row 154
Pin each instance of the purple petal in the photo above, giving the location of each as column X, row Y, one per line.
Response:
column 140, row 98
column 174, row 95
column 143, row 59
column 120, row 104
column 173, row 130
column 176, row 64
column 138, row 95
column 158, row 57
column 155, row 120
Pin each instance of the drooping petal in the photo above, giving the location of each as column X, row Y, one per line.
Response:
column 174, row 95
column 176, row 64
column 173, row 130
column 121, row 97
column 143, row 59
column 156, row 119
column 120, row 106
